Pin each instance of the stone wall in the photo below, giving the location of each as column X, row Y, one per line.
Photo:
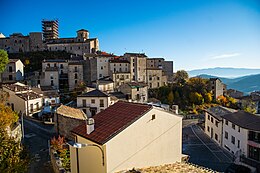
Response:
column 63, row 125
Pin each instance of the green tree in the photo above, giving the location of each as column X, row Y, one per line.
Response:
column 3, row 60
column 170, row 98
column 181, row 77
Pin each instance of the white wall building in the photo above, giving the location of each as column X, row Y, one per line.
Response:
column 13, row 72
column 23, row 100
column 127, row 135
column 93, row 102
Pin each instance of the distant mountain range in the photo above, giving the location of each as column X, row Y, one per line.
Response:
column 241, row 79
column 245, row 84
column 225, row 72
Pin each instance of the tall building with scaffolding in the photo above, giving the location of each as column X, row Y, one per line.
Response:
column 50, row 29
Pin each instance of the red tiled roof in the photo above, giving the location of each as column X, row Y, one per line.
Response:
column 112, row 121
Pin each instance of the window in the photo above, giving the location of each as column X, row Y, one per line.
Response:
column 137, row 89
column 208, row 117
column 76, row 76
column 10, row 77
column 10, row 69
column 84, row 103
column 233, row 126
column 114, row 69
column 238, row 129
column 238, row 143
column 101, row 103
column 100, row 75
column 226, row 135
column 216, row 136
column 120, row 69
column 75, row 69
column 216, row 123
column 61, row 66
column 93, row 101
column 79, row 47
column 208, row 128
column 158, row 84
column 212, row 119
column 158, row 78
column 101, row 67
column 233, row 140
column 119, row 64
column 55, row 65
column 52, row 83
column 76, row 81
column 226, row 122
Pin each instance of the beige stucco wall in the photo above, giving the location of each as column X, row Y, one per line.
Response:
column 216, row 130
column 157, row 142
column 90, row 158
column 146, row 142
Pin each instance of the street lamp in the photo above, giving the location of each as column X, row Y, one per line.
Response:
column 80, row 145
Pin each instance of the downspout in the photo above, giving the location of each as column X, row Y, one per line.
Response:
column 77, row 155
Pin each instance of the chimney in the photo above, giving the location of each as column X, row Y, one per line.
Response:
column 175, row 109
column 90, row 125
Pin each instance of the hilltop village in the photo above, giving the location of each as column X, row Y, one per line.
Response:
column 81, row 109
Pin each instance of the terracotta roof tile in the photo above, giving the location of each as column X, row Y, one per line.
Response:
column 113, row 120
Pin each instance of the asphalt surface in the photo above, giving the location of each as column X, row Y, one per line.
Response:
column 36, row 140
column 203, row 151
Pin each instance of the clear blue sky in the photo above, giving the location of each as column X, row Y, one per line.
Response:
column 193, row 33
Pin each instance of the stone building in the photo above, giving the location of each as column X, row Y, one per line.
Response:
column 62, row 73
column 96, row 66
column 76, row 45
column 155, row 78
column 135, row 91
column 166, row 66
column 17, row 42
column 13, row 72
column 66, row 119
column 217, row 87
column 75, row 74
column 137, row 66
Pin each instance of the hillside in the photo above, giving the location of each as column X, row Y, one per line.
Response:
column 245, row 84
column 224, row 72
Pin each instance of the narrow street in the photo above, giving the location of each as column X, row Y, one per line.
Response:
column 36, row 140
column 203, row 151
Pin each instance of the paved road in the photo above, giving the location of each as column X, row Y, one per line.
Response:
column 36, row 140
column 203, row 151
